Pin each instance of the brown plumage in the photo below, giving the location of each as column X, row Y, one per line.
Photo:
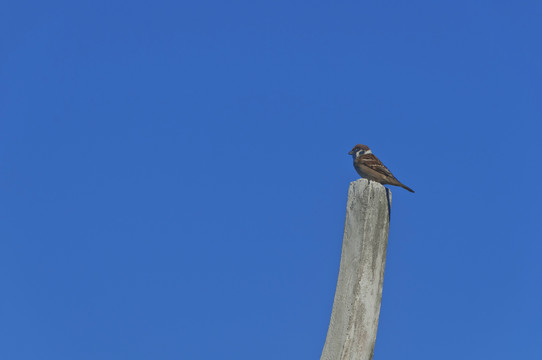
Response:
column 369, row 167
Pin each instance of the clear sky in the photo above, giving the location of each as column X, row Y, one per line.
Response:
column 173, row 175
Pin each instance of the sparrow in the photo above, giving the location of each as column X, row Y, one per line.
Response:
column 369, row 167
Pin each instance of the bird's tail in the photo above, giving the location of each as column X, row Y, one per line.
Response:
column 398, row 183
column 406, row 187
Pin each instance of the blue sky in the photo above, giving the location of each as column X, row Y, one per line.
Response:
column 173, row 176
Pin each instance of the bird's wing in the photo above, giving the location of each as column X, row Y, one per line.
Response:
column 373, row 163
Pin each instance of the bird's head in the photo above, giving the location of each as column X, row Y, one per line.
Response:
column 359, row 150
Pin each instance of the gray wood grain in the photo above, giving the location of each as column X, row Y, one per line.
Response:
column 356, row 308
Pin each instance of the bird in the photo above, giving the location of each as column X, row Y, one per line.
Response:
column 369, row 167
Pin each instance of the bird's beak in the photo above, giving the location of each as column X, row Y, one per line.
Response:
column 350, row 153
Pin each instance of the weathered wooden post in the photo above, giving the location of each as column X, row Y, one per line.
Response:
column 356, row 308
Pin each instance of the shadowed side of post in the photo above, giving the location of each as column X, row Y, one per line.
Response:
column 356, row 308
